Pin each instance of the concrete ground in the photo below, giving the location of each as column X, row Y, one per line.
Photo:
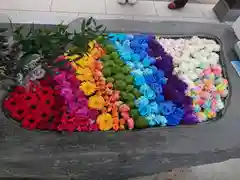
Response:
column 228, row 170
column 56, row 11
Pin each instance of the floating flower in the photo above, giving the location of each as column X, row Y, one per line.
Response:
column 96, row 102
column 105, row 122
column 88, row 88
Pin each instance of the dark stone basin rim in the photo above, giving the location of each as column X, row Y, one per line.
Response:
column 128, row 154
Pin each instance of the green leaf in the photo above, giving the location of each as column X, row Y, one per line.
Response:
column 99, row 27
column 26, row 60
column 94, row 22
column 89, row 21
column 60, row 63
column 48, row 70
column 83, row 26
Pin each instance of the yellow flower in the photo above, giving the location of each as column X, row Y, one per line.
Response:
column 105, row 122
column 73, row 57
column 82, row 62
column 91, row 45
column 84, row 74
column 88, row 88
column 96, row 102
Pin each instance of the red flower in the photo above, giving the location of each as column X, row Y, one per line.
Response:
column 93, row 127
column 19, row 90
column 19, row 113
column 30, row 100
column 82, row 128
column 44, row 91
column 47, row 101
column 66, row 127
column 30, row 122
column 44, row 114
column 10, row 103
column 47, row 81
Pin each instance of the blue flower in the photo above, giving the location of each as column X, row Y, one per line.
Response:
column 149, row 78
column 152, row 60
column 146, row 62
column 141, row 101
column 136, row 72
column 139, row 79
column 207, row 104
column 125, row 56
column 139, row 65
column 142, row 54
column 159, row 98
column 147, row 92
column 179, row 113
column 144, row 46
column 130, row 64
column 157, row 88
column 154, row 107
column 167, row 108
column 196, row 108
column 172, row 120
column 161, row 120
column 135, row 57
column 144, row 110
column 159, row 74
column 147, row 71
column 176, row 117
column 151, row 120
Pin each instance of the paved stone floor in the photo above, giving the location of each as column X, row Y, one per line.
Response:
column 192, row 1
column 228, row 170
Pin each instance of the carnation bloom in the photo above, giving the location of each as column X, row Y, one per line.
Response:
column 88, row 88
column 96, row 102
column 105, row 121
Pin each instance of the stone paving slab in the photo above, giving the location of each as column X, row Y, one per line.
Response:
column 55, row 11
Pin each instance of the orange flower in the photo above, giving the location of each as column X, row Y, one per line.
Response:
column 96, row 102
column 105, row 122
column 115, row 126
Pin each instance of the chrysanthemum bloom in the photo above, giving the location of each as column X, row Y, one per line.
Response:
column 96, row 102
column 88, row 88
column 105, row 122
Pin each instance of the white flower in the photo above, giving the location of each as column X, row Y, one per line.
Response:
column 37, row 73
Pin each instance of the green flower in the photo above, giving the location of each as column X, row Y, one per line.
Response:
column 121, row 85
column 107, row 72
column 109, row 49
column 136, row 93
column 105, row 58
column 109, row 63
column 131, row 104
column 110, row 80
column 118, row 76
column 128, row 79
column 130, row 97
column 141, row 123
column 114, row 55
column 126, row 69
column 123, row 95
column 119, row 62
column 129, row 88
column 134, row 113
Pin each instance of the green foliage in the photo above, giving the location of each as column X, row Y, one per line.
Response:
column 8, row 57
column 43, row 46
column 89, row 31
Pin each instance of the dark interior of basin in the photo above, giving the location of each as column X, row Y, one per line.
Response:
column 221, row 62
